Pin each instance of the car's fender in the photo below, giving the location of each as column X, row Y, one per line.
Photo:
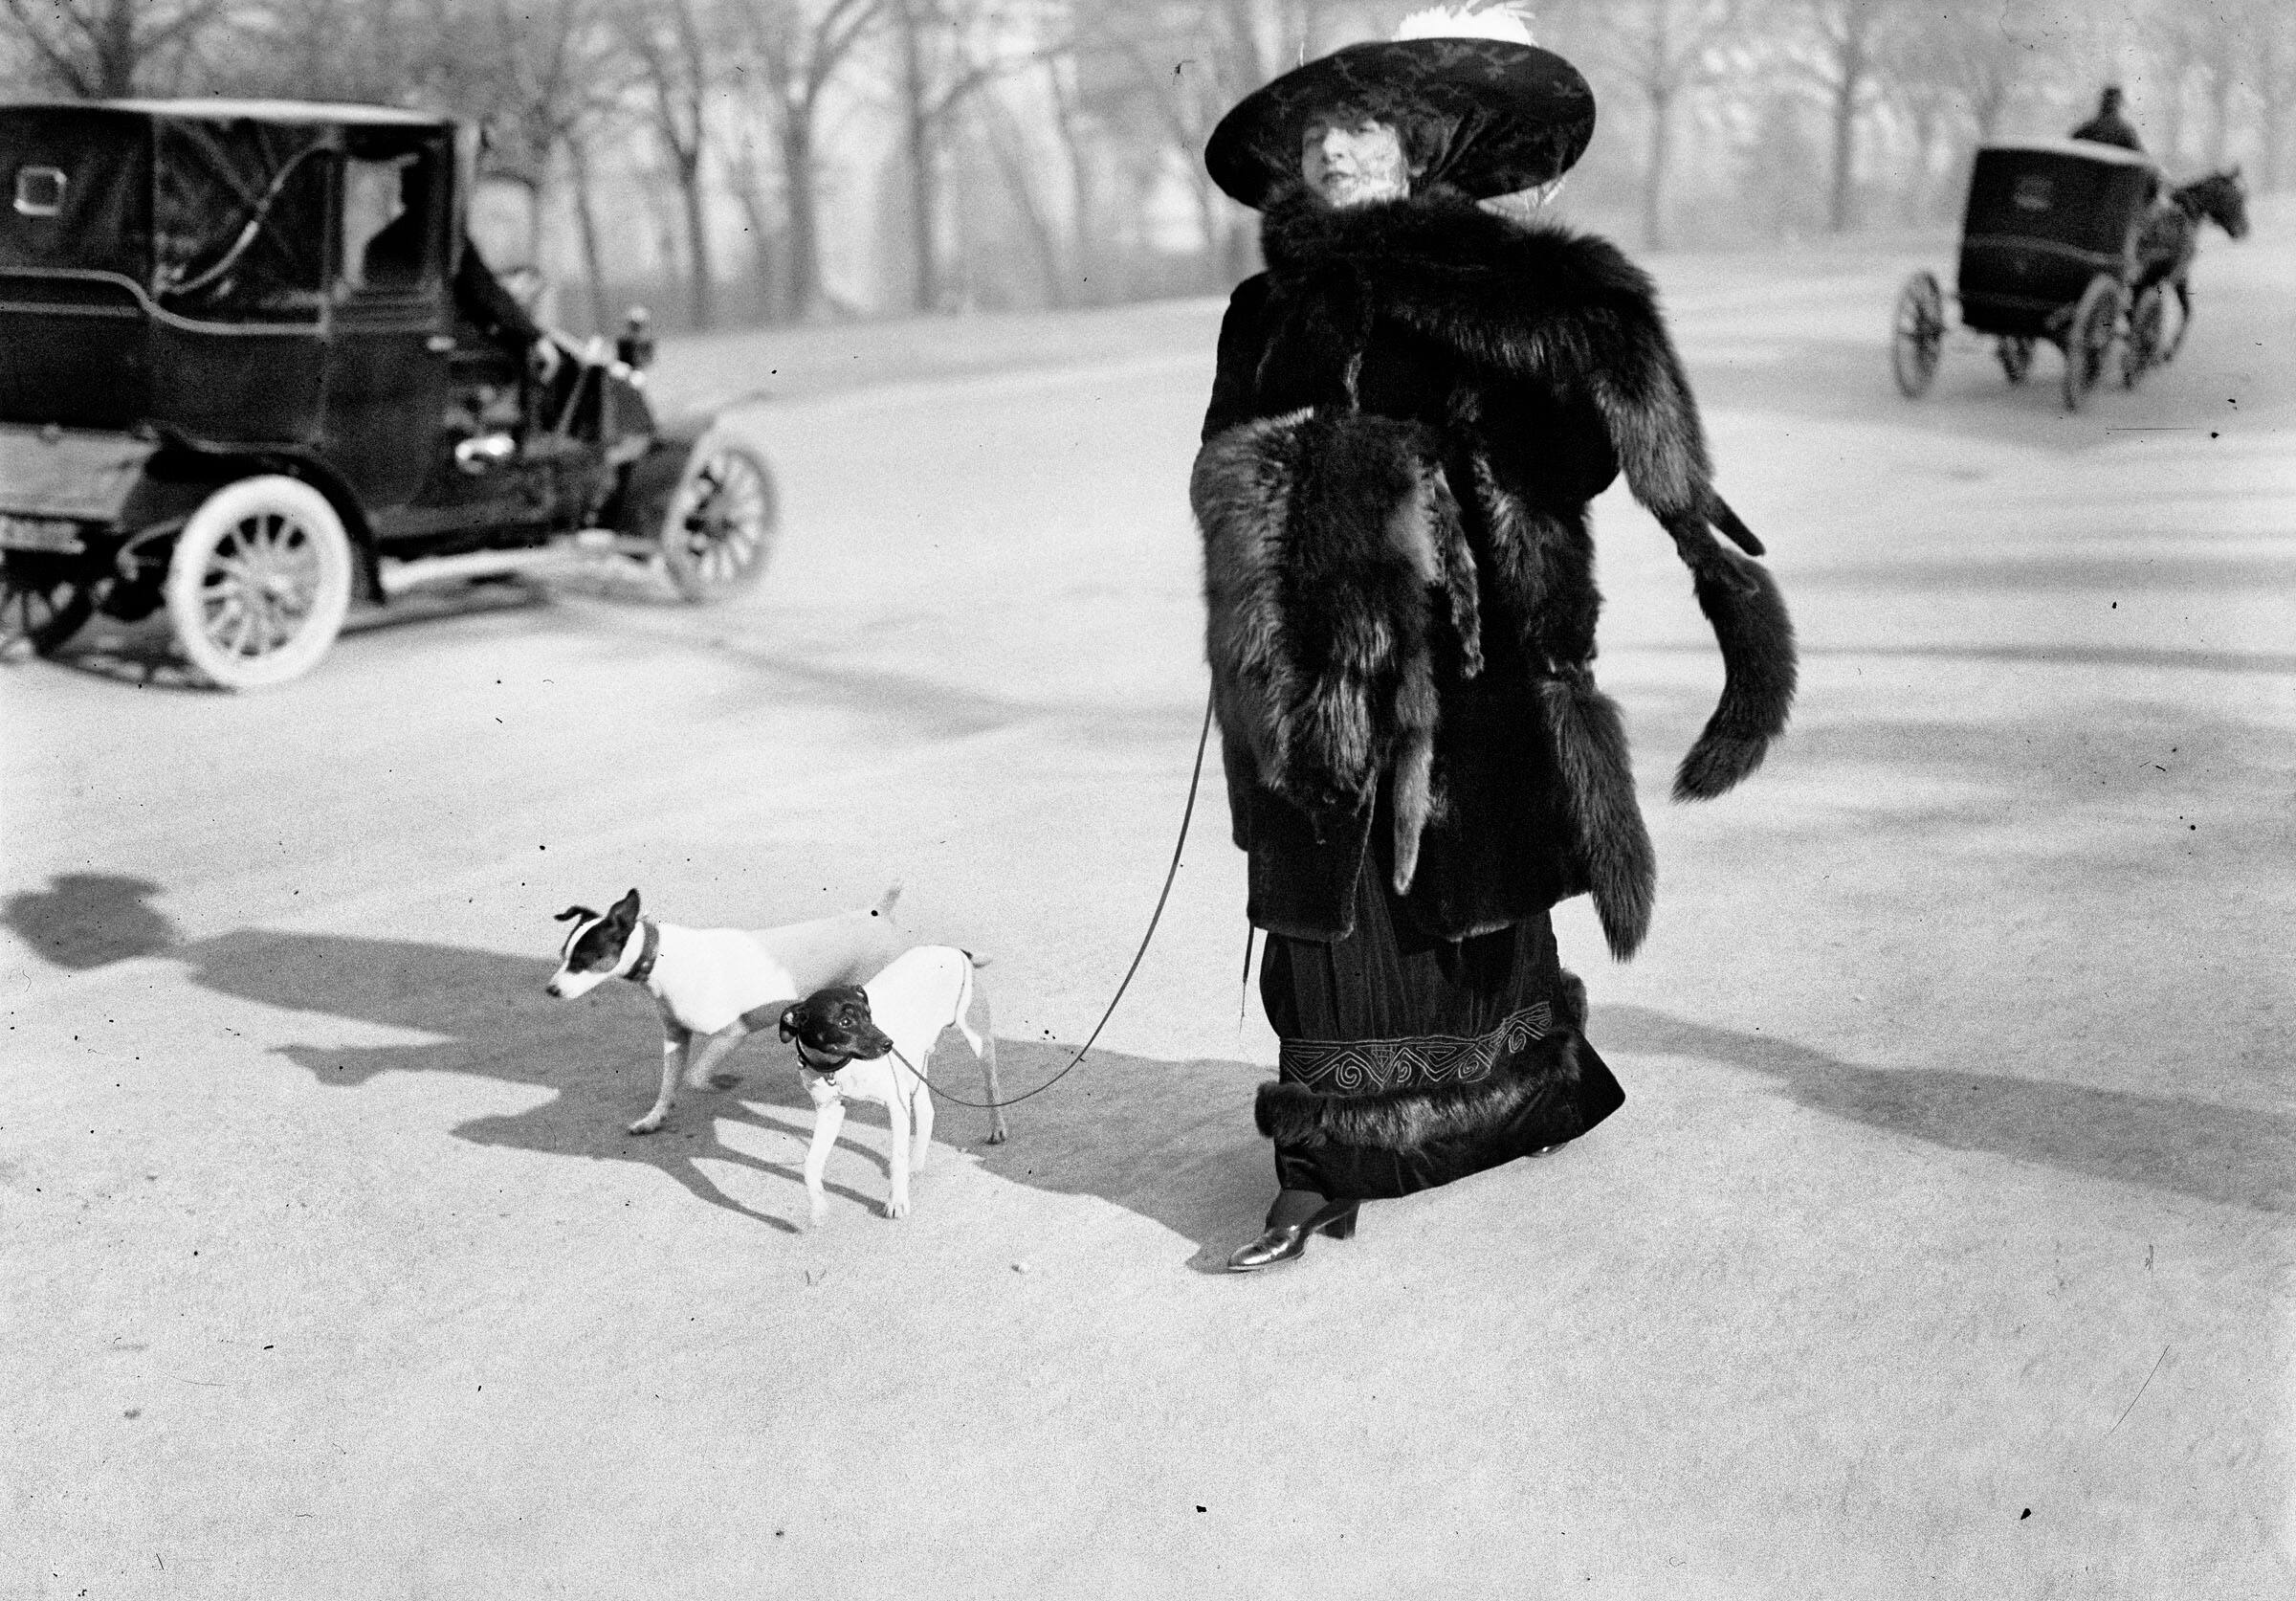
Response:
column 175, row 479
column 638, row 507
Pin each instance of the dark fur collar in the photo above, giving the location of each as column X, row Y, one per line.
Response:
column 1427, row 239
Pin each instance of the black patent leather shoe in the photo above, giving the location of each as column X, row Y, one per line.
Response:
column 1284, row 1244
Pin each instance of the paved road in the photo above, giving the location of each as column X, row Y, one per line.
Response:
column 1941, row 1249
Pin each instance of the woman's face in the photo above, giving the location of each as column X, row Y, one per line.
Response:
column 1351, row 163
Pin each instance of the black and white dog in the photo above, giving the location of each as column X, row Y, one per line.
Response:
column 874, row 1042
column 715, row 986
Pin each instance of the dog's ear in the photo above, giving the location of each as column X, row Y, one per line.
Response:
column 625, row 911
column 574, row 914
column 793, row 1021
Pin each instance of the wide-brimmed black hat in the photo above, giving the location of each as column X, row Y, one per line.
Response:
column 1485, row 115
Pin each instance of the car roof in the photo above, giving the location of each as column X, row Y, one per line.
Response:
column 304, row 112
column 2084, row 150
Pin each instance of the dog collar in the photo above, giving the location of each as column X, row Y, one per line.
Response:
column 642, row 969
column 827, row 1070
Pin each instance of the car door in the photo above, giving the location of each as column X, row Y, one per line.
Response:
column 390, row 330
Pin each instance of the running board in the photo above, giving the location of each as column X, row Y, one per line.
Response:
column 577, row 550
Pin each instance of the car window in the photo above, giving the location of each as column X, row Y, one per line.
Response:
column 239, row 221
column 389, row 221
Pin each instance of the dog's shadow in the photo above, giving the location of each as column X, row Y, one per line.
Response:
column 1172, row 1141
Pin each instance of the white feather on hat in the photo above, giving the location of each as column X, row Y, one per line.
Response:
column 1508, row 22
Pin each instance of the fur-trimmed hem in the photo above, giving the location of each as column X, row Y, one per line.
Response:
column 1414, row 1119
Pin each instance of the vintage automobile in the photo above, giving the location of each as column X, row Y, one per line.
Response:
column 252, row 368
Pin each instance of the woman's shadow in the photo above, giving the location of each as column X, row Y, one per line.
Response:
column 1169, row 1140
column 2231, row 1156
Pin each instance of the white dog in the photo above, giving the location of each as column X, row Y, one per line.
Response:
column 715, row 986
column 875, row 1043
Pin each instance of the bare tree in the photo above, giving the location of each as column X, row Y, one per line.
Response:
column 1665, row 49
column 1007, row 145
column 1960, row 74
column 1152, row 79
column 385, row 52
column 585, row 221
column 1840, row 52
column 667, row 41
column 800, row 49
column 106, row 49
column 2274, row 62
column 2211, row 54
column 537, row 75
column 946, row 50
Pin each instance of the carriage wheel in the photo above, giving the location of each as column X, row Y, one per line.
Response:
column 1917, row 334
column 2088, row 337
column 2015, row 356
column 2148, row 321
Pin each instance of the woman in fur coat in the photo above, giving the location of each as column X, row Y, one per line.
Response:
column 1414, row 404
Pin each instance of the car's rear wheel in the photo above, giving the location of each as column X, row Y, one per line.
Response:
column 44, row 599
column 719, row 530
column 259, row 582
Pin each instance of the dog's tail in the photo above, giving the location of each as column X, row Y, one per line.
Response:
column 884, row 905
column 976, row 958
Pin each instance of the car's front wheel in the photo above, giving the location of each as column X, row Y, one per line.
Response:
column 259, row 582
column 719, row 530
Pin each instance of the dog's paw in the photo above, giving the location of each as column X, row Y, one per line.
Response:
column 998, row 1135
column 647, row 1124
column 818, row 1210
column 897, row 1205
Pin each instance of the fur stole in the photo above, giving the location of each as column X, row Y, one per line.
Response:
column 1536, row 303
column 1333, row 556
column 1335, row 569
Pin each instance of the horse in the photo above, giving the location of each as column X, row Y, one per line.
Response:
column 2169, row 237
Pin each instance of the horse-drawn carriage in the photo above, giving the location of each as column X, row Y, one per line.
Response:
column 2070, row 242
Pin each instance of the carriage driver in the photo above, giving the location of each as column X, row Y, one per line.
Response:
column 2108, row 126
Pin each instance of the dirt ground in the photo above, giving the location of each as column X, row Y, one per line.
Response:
column 1942, row 1248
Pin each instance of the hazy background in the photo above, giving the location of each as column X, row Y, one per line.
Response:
column 740, row 162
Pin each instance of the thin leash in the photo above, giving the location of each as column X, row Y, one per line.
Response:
column 1243, row 985
column 1195, row 778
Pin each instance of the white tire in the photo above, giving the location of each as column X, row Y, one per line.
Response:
column 718, row 531
column 259, row 582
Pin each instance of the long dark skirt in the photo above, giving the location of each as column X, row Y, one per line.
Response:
column 1485, row 1031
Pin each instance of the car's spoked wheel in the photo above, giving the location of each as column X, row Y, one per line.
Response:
column 259, row 582
column 2016, row 358
column 718, row 531
column 44, row 600
column 1917, row 334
